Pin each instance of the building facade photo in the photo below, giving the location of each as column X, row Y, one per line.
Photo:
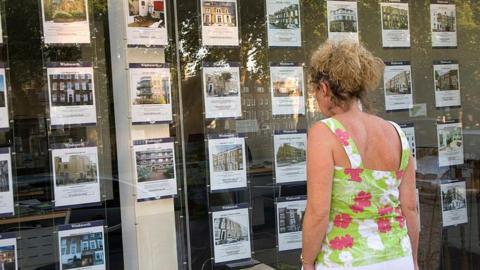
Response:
column 343, row 20
column 399, row 84
column 395, row 18
column 75, row 170
column 71, row 89
column 290, row 219
column 218, row 13
column 285, row 18
column 228, row 158
column 228, row 231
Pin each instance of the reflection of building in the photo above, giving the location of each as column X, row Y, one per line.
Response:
column 288, row 87
column 82, row 250
column 287, row 153
column 229, row 231
column 230, row 159
column 219, row 13
column 443, row 22
column 221, row 84
column 289, row 220
column 448, row 81
column 153, row 89
column 156, row 160
column 343, row 20
column 71, row 89
column 4, row 183
column 286, row 18
column 399, row 84
column 78, row 169
column 395, row 18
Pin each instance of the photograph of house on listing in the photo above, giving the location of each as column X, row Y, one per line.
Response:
column 290, row 219
column 229, row 231
column 288, row 84
column 286, row 16
column 71, row 89
column 219, row 13
column 443, row 18
column 228, row 158
column 8, row 258
column 400, row 83
column 75, row 169
column 83, row 250
column 147, row 13
column 222, row 83
column 3, row 96
column 4, row 177
column 155, row 164
column 65, row 11
column 152, row 89
column 446, row 79
column 293, row 153
column 343, row 20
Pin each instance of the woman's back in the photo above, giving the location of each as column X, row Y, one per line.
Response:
column 366, row 225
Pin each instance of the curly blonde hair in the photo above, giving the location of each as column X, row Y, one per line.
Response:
column 349, row 69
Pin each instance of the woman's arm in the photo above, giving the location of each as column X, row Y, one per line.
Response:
column 408, row 203
column 320, row 166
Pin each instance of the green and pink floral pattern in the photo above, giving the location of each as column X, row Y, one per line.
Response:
column 366, row 222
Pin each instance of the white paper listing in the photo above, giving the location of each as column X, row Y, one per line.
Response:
column 231, row 233
column 75, row 176
column 290, row 211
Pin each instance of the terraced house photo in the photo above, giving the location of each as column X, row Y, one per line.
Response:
column 446, row 80
column 291, row 154
column 228, row 231
column 287, row 17
column 343, row 20
column 219, row 13
column 80, row 251
column 147, row 13
column 155, row 165
column 443, row 21
column 394, row 18
column 65, row 11
column 228, row 158
column 399, row 84
column 71, row 89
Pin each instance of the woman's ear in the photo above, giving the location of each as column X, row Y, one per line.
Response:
column 324, row 90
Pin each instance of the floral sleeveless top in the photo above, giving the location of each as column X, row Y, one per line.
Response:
column 366, row 223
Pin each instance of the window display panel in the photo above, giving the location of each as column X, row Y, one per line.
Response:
column 57, row 85
column 400, row 38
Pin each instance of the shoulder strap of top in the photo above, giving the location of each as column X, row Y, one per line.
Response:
column 346, row 140
column 405, row 147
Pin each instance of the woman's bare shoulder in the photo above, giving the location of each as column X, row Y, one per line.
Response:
column 321, row 132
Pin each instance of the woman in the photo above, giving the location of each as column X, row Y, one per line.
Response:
column 361, row 207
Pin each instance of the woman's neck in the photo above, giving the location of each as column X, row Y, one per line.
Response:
column 352, row 108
